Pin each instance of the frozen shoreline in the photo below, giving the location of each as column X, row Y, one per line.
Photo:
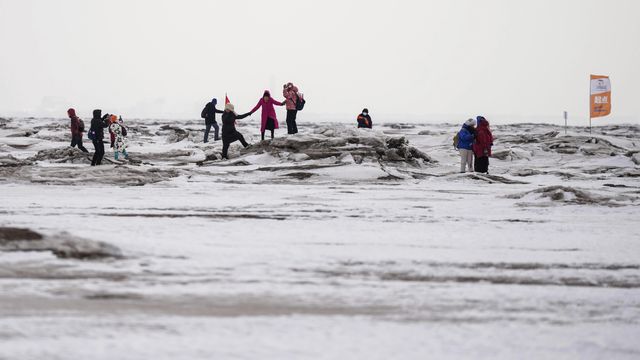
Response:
column 380, row 258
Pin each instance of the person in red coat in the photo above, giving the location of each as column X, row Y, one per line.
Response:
column 77, row 128
column 269, row 119
column 482, row 145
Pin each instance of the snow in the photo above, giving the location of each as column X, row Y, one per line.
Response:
column 322, row 245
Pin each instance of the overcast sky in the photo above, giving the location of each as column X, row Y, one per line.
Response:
column 511, row 60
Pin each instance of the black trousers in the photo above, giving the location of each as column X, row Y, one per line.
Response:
column 292, row 127
column 227, row 140
column 216, row 130
column 77, row 140
column 481, row 164
column 98, row 145
column 262, row 133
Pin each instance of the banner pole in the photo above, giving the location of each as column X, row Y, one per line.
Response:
column 590, row 105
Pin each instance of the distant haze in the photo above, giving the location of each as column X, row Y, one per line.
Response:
column 404, row 59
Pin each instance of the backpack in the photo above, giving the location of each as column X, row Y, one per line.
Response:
column 300, row 102
column 456, row 140
column 91, row 134
column 80, row 125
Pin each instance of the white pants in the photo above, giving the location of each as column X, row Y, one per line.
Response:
column 466, row 160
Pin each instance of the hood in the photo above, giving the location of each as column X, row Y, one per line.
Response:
column 71, row 112
column 214, row 101
column 482, row 122
column 266, row 93
column 470, row 123
column 97, row 114
column 229, row 107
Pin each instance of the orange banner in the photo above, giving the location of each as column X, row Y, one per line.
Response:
column 600, row 96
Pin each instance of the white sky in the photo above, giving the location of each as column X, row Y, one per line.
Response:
column 528, row 59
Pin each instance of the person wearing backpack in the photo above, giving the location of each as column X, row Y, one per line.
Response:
column 466, row 136
column 77, row 128
column 482, row 146
column 269, row 119
column 96, row 134
column 291, row 98
column 119, row 142
column 229, row 132
column 364, row 120
column 209, row 115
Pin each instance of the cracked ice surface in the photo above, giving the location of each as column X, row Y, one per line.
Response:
column 335, row 243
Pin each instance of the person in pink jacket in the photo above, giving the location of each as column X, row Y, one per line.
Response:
column 269, row 118
column 290, row 93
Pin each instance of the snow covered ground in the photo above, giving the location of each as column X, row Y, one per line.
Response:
column 334, row 243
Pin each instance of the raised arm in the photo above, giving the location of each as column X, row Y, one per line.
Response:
column 256, row 107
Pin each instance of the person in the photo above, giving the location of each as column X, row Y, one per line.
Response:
column 364, row 120
column 119, row 132
column 77, row 128
column 229, row 132
column 96, row 132
column 291, row 95
column 107, row 118
column 482, row 145
column 209, row 115
column 466, row 135
column 269, row 119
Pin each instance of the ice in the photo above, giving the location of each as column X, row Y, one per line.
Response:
column 333, row 243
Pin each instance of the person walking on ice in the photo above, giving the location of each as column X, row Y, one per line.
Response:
column 269, row 118
column 209, row 115
column 466, row 136
column 229, row 132
column 77, row 128
column 96, row 134
column 120, row 133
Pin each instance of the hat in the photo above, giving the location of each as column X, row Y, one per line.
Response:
column 229, row 107
column 480, row 119
column 365, row 110
column 470, row 122
column 71, row 112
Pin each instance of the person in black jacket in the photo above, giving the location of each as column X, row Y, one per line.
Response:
column 229, row 132
column 364, row 120
column 98, row 124
column 209, row 115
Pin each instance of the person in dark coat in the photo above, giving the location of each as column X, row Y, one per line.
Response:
column 364, row 120
column 209, row 115
column 98, row 123
column 77, row 128
column 482, row 146
column 229, row 132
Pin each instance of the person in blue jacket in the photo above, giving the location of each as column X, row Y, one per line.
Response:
column 466, row 136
